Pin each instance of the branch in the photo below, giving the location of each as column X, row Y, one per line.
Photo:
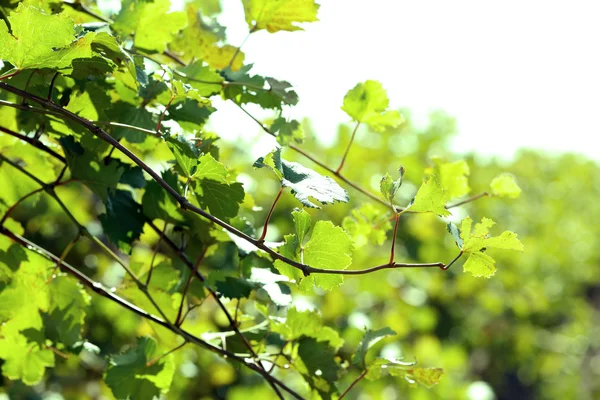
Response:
column 99, row 289
column 34, row 142
column 470, row 199
column 353, row 383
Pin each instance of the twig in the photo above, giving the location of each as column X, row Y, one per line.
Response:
column 453, row 261
column 337, row 171
column 353, row 383
column 149, row 277
column 178, row 319
column 34, row 142
column 264, row 231
column 157, row 359
column 470, row 199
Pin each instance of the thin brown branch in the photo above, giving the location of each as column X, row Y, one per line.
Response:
column 173, row 350
column 12, row 208
column 453, row 260
column 337, row 171
column 17, row 72
column 178, row 319
column 470, row 199
column 77, row 5
column 160, row 237
column 353, row 383
column 392, row 251
column 34, row 142
column 264, row 231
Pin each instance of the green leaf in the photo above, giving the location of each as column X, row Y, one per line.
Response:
column 369, row 340
column 246, row 88
column 453, row 177
column 430, row 198
column 303, row 181
column 236, row 288
column 222, row 200
column 186, row 153
column 274, row 15
column 302, row 223
column 505, row 185
column 24, row 360
column 427, row 377
column 287, row 132
column 199, row 74
column 38, row 40
column 477, row 240
column 306, row 323
column 367, row 224
column 209, row 168
column 128, row 375
column 66, row 317
column 329, row 247
column 389, row 187
column 367, row 102
column 151, row 22
column 319, row 367
column 157, row 203
column 88, row 168
column 123, row 221
column 455, row 232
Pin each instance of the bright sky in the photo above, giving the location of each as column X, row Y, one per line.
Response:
column 513, row 73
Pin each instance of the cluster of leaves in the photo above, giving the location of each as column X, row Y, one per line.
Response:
column 90, row 111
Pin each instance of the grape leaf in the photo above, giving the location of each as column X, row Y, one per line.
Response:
column 369, row 340
column 23, row 359
column 38, row 40
column 367, row 224
column 157, row 203
column 152, row 23
column 427, row 377
column 505, row 185
column 306, row 323
column 303, row 182
column 86, row 167
column 318, row 365
column 246, row 88
column 389, row 187
column 199, row 74
column 129, row 376
column 277, row 15
column 477, row 240
column 209, row 168
column 430, row 198
column 302, row 223
column 68, row 303
column 185, row 152
column 453, row 177
column 367, row 102
column 222, row 200
column 236, row 288
column 287, row 132
column 123, row 221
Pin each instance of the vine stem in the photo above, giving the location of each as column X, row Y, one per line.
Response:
column 162, row 115
column 337, row 171
column 392, row 251
column 178, row 320
column 163, row 233
column 173, row 350
column 453, row 260
column 17, row 72
column 34, row 142
column 264, row 231
column 99, row 289
column 364, row 373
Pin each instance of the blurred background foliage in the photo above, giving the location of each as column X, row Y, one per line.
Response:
column 530, row 332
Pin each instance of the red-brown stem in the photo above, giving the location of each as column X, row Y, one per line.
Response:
column 394, row 238
column 265, row 228
column 353, row 383
column 163, row 114
column 10, row 75
column 164, row 230
column 445, row 267
column 337, row 171
column 178, row 320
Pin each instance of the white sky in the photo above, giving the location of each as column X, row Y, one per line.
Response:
column 513, row 73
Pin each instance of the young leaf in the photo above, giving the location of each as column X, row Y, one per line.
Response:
column 369, row 340
column 38, row 40
column 476, row 241
column 306, row 323
column 209, row 168
column 303, row 181
column 275, row 15
column 185, row 152
column 23, row 359
column 505, row 185
column 389, row 187
column 427, row 377
column 453, row 177
column 367, row 102
column 151, row 22
column 430, row 198
column 66, row 316
column 129, row 376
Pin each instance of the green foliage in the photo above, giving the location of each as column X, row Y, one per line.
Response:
column 129, row 254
